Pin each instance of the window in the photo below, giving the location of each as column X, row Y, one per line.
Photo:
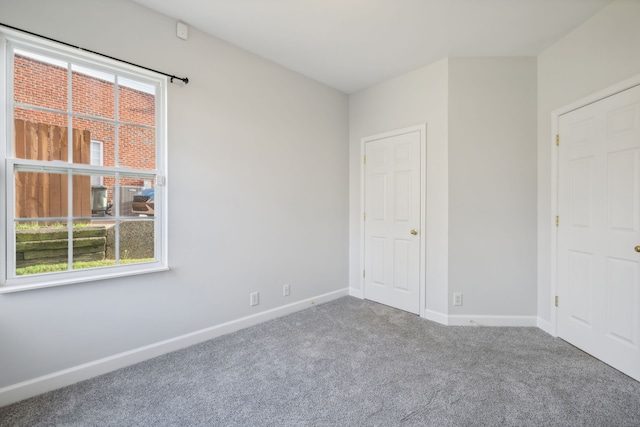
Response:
column 96, row 160
column 82, row 136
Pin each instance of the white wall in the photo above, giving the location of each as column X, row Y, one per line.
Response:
column 601, row 52
column 258, row 166
column 414, row 98
column 492, row 186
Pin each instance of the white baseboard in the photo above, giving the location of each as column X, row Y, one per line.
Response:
column 33, row 387
column 436, row 316
column 479, row 320
column 358, row 293
column 546, row 326
column 482, row 320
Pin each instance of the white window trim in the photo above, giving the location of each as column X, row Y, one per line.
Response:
column 8, row 281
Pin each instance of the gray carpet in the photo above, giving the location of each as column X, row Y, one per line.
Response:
column 351, row 363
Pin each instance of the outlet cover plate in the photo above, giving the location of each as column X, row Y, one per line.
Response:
column 253, row 298
column 457, row 298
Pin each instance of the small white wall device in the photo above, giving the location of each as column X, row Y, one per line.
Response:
column 182, row 31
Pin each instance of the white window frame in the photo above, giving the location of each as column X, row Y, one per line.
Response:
column 9, row 282
column 99, row 162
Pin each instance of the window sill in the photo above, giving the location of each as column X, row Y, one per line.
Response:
column 51, row 280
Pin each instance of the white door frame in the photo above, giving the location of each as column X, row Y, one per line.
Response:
column 555, row 116
column 422, row 128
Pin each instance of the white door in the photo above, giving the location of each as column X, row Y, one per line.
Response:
column 598, row 266
column 392, row 220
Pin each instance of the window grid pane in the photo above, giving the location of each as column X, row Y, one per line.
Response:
column 51, row 75
column 41, row 247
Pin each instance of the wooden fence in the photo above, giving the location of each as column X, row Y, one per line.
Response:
column 42, row 195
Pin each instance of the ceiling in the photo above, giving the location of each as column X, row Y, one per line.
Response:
column 353, row 44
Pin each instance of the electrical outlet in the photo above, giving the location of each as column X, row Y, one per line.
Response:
column 253, row 298
column 286, row 290
column 457, row 298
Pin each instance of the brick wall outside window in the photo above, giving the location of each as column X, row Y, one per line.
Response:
column 45, row 85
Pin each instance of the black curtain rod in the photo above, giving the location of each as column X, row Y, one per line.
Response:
column 185, row 80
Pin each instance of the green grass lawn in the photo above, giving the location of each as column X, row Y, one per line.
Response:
column 57, row 225
column 78, row 265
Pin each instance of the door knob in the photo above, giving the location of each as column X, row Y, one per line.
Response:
column 637, row 248
column 414, row 232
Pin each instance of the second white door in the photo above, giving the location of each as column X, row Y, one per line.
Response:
column 392, row 220
column 599, row 230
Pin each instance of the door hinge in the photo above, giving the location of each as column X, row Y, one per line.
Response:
column 364, row 216
column 556, row 300
column 364, row 160
column 557, row 140
column 557, row 220
column 363, row 274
